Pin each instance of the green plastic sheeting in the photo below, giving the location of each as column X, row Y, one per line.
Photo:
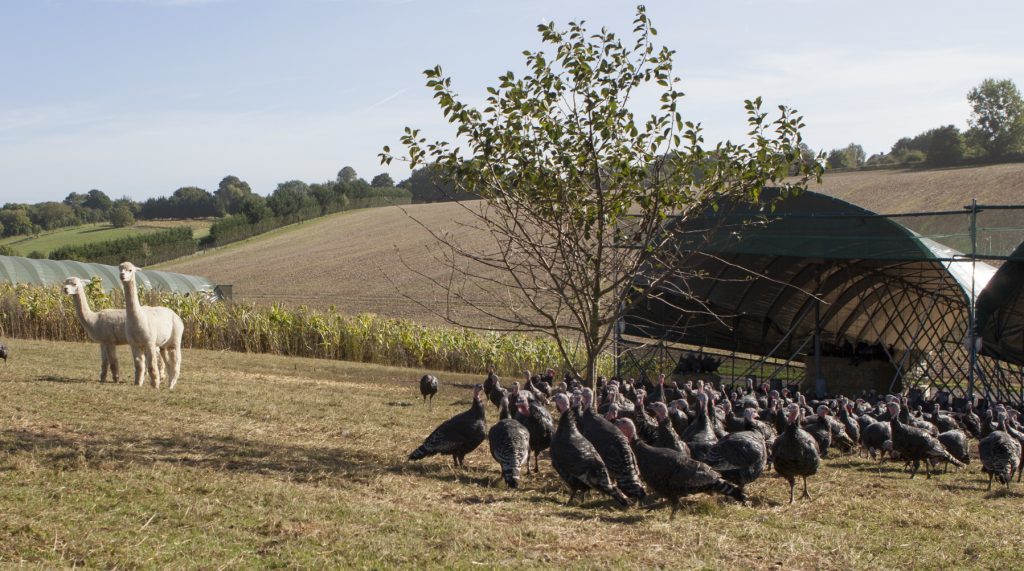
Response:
column 15, row 269
column 764, row 280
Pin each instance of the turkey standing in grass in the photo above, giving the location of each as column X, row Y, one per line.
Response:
column 428, row 388
column 874, row 437
column 915, row 444
column 1000, row 454
column 944, row 423
column 740, row 457
column 3, row 352
column 537, row 420
column 613, row 448
column 673, row 475
column 971, row 422
column 821, row 431
column 795, row 453
column 459, row 435
column 849, row 421
column 646, row 427
column 490, row 381
column 955, row 442
column 667, row 437
column 576, row 460
column 510, row 445
column 699, row 435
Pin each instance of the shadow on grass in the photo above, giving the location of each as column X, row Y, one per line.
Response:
column 62, row 379
column 608, row 517
column 64, row 451
column 440, row 469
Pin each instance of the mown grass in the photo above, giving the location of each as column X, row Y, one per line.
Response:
column 261, row 461
column 91, row 233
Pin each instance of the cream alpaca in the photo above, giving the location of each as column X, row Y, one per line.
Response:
column 153, row 332
column 105, row 327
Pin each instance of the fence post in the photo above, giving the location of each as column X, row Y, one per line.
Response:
column 971, row 332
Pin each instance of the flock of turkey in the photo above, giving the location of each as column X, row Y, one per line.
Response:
column 677, row 441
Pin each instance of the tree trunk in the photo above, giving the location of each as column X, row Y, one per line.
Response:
column 592, row 372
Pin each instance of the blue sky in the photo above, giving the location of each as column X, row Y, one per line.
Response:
column 140, row 97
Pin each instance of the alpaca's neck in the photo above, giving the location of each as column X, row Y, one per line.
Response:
column 85, row 313
column 131, row 300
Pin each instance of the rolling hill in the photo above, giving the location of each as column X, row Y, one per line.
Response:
column 101, row 232
column 363, row 261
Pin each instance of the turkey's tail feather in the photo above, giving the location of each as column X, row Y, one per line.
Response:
column 950, row 458
column 419, row 453
column 511, row 476
column 729, row 489
column 633, row 489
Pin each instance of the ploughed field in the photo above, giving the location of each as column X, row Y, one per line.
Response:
column 259, row 461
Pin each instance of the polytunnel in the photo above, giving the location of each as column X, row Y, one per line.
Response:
column 865, row 301
column 14, row 269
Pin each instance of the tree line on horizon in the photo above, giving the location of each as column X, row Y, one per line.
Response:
column 291, row 201
column 995, row 134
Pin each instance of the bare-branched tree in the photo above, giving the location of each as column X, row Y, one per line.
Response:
column 578, row 195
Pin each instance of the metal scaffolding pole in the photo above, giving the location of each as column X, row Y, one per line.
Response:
column 971, row 332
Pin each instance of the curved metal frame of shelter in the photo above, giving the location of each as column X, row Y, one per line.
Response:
column 16, row 269
column 820, row 272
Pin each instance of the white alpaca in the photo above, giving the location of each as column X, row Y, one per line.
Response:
column 153, row 332
column 106, row 327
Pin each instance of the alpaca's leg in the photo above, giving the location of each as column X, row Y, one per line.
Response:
column 153, row 365
column 104, row 363
column 172, row 357
column 139, row 356
column 115, row 367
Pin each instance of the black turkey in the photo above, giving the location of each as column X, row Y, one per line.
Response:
column 944, row 423
column 849, row 421
column 955, row 442
column 1000, row 454
column 537, row 420
column 730, row 421
column 657, row 393
column 740, row 457
column 647, row 427
column 667, row 437
column 459, row 435
column 677, row 414
column 428, row 388
column 971, row 422
column 699, row 435
column 576, row 460
column 489, row 382
column 821, row 430
column 673, row 475
column 795, row 453
column 915, row 444
column 874, row 437
column 613, row 448
column 3, row 352
column 510, row 445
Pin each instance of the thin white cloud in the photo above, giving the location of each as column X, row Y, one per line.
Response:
column 388, row 98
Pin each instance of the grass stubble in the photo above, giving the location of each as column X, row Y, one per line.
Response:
column 263, row 461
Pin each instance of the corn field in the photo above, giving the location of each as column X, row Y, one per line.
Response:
column 33, row 312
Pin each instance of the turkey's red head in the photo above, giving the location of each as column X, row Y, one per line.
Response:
column 792, row 412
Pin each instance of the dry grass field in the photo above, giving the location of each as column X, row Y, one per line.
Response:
column 893, row 191
column 258, row 461
column 352, row 260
